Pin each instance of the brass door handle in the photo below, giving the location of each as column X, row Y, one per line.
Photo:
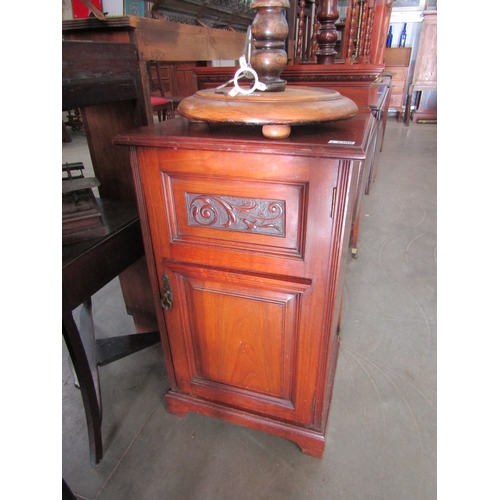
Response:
column 167, row 298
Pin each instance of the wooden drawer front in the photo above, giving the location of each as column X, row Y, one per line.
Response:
column 237, row 216
column 398, row 87
column 214, row 213
column 240, row 339
column 396, row 101
column 398, row 73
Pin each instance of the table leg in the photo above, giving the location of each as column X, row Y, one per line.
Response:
column 408, row 108
column 354, row 236
column 87, row 334
column 86, row 374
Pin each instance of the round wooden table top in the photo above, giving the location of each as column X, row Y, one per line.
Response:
column 275, row 111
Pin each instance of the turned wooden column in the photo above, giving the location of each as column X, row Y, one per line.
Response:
column 270, row 30
column 327, row 33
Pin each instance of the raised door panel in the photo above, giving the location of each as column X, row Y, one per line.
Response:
column 236, row 339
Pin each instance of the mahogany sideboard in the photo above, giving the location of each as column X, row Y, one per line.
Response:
column 246, row 241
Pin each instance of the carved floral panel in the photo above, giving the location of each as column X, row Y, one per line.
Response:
column 261, row 216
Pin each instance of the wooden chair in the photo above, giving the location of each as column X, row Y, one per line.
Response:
column 161, row 104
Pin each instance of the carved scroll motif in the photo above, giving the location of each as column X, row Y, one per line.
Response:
column 236, row 214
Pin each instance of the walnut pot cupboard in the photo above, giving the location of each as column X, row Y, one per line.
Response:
column 246, row 240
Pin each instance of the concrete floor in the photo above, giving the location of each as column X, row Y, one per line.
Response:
column 381, row 439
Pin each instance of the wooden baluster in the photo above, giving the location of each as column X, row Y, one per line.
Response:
column 314, row 40
column 369, row 30
column 327, row 33
column 300, row 31
column 358, row 34
column 363, row 30
column 352, row 28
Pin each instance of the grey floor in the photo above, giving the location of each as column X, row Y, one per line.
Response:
column 381, row 439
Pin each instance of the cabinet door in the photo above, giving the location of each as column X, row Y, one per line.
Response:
column 235, row 338
column 249, row 247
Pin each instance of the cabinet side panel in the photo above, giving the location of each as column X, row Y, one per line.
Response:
column 344, row 207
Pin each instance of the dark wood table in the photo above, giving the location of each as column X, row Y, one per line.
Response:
column 103, row 80
column 86, row 267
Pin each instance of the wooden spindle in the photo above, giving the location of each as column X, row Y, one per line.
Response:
column 327, row 33
column 314, row 39
column 352, row 28
column 300, row 31
column 369, row 29
column 363, row 27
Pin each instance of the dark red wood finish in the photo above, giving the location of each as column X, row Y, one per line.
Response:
column 253, row 236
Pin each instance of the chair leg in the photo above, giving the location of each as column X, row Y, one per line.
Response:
column 170, row 111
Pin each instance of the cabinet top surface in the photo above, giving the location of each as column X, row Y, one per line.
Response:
column 344, row 139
